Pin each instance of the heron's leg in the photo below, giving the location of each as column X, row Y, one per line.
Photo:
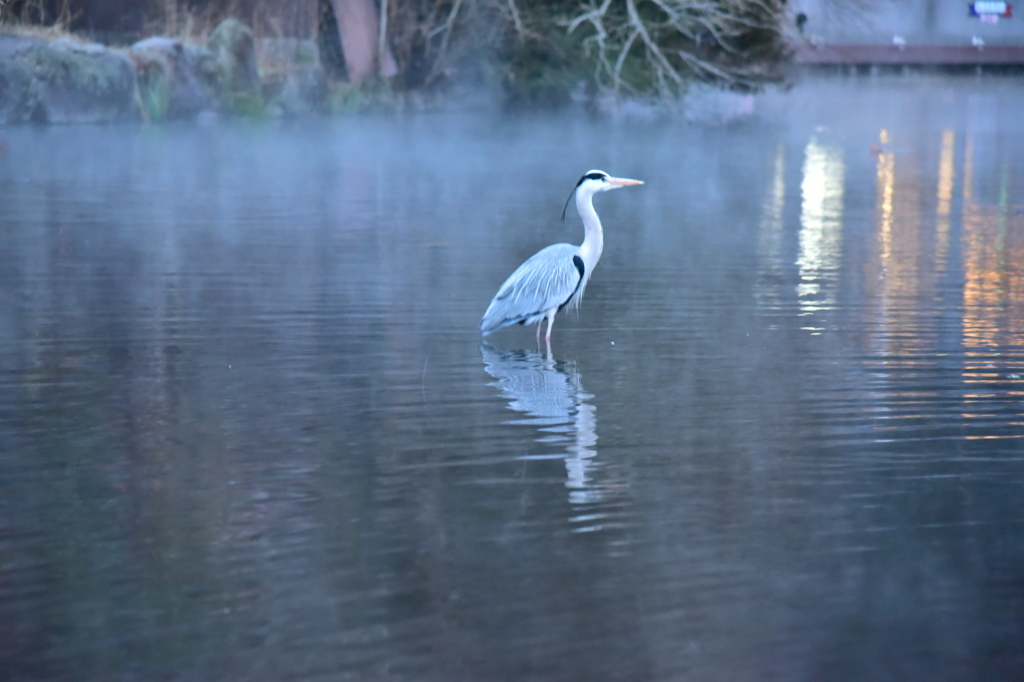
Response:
column 539, row 325
column 551, row 321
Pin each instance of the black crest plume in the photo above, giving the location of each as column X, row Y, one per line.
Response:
column 588, row 176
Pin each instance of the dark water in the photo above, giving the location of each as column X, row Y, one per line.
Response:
column 248, row 429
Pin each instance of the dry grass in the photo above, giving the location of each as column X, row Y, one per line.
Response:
column 180, row 21
column 31, row 18
column 267, row 18
column 16, row 28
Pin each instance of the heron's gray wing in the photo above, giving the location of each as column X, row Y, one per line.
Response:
column 547, row 281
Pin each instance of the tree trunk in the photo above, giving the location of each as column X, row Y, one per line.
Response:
column 358, row 28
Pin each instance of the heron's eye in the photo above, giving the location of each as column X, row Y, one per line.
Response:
column 597, row 176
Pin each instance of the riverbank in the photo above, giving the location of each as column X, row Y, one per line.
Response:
column 59, row 78
column 55, row 77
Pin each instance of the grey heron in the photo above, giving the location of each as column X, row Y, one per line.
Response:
column 555, row 277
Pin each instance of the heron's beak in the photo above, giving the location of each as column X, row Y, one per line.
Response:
column 623, row 182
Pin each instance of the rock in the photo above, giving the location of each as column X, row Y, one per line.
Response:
column 293, row 80
column 234, row 52
column 79, row 82
column 170, row 78
column 299, row 91
column 205, row 68
column 11, row 45
column 67, row 81
column 19, row 93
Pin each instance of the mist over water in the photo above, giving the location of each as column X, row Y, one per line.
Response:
column 249, row 430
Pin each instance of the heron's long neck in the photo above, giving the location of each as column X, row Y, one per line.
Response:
column 593, row 239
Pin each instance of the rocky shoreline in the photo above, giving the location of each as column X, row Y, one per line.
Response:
column 66, row 80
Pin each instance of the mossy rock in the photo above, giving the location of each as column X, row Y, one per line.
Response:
column 170, row 85
column 234, row 51
column 19, row 93
column 79, row 82
column 302, row 90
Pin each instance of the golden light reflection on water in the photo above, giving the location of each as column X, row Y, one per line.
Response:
column 916, row 256
column 900, row 277
column 897, row 273
column 885, row 187
column 821, row 227
column 947, row 176
column 993, row 291
column 903, row 280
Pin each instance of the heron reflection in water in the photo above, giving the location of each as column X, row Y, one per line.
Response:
column 551, row 395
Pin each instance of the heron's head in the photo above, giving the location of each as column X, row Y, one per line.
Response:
column 594, row 181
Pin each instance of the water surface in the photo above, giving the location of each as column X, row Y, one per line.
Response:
column 248, row 429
